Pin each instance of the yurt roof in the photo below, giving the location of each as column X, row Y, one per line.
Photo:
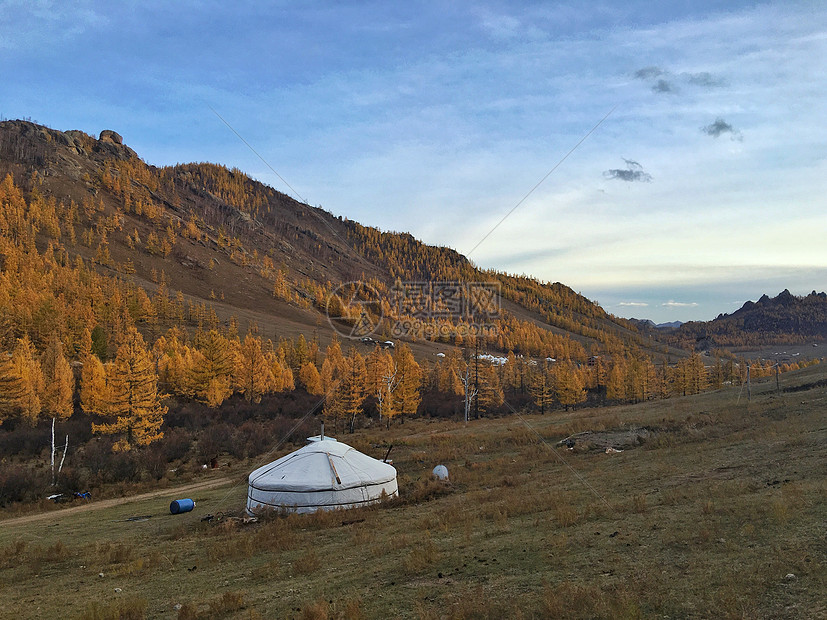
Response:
column 321, row 465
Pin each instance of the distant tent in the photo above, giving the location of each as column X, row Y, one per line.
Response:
column 324, row 475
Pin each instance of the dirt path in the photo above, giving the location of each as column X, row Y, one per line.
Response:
column 108, row 503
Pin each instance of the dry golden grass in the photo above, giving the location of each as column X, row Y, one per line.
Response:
column 307, row 563
column 705, row 519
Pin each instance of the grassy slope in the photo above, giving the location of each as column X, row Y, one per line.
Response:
column 705, row 519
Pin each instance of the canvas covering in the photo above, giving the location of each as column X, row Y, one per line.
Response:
column 323, row 475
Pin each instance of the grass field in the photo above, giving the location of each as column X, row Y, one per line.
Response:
column 715, row 508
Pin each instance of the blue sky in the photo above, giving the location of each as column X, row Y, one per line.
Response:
column 703, row 188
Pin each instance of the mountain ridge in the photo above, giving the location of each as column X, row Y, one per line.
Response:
column 783, row 319
column 218, row 235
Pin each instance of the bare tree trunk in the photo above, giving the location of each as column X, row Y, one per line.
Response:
column 53, row 452
column 470, row 393
column 63, row 458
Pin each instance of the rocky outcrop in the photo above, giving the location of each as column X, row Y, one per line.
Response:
column 111, row 136
column 111, row 143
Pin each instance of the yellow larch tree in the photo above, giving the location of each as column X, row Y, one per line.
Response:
column 408, row 374
column 94, row 396
column 134, row 402
column 9, row 387
column 276, row 368
column 541, row 387
column 58, row 381
column 450, row 372
column 382, row 382
column 616, row 380
column 352, row 386
column 569, row 385
column 310, row 380
column 512, row 380
column 490, row 393
column 253, row 375
column 378, row 364
column 288, row 383
column 23, row 388
column 211, row 377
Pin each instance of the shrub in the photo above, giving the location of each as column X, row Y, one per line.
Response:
column 421, row 556
column 119, row 553
column 124, row 466
column 226, row 603
column 18, row 439
column 639, row 502
column 187, row 612
column 176, row 444
column 130, row 609
column 73, row 479
column 110, row 466
column 18, row 484
column 213, row 440
column 566, row 515
column 319, row 610
column 58, row 552
column 251, row 439
column 573, row 600
column 153, row 461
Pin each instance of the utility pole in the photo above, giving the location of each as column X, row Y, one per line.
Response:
column 777, row 380
column 749, row 392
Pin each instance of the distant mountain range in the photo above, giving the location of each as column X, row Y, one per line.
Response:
column 785, row 318
column 650, row 324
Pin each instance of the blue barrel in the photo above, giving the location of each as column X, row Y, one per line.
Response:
column 181, row 505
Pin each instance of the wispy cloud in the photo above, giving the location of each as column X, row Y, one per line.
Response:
column 704, row 79
column 664, row 81
column 679, row 304
column 647, row 73
column 633, row 304
column 632, row 173
column 664, row 86
column 720, row 127
column 499, row 26
column 35, row 23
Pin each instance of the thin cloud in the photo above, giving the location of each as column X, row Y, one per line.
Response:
column 704, row 79
column 664, row 86
column 634, row 304
column 720, row 127
column 647, row 73
column 633, row 172
column 679, row 304
column 663, row 81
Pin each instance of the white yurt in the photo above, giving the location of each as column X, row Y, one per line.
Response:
column 323, row 475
